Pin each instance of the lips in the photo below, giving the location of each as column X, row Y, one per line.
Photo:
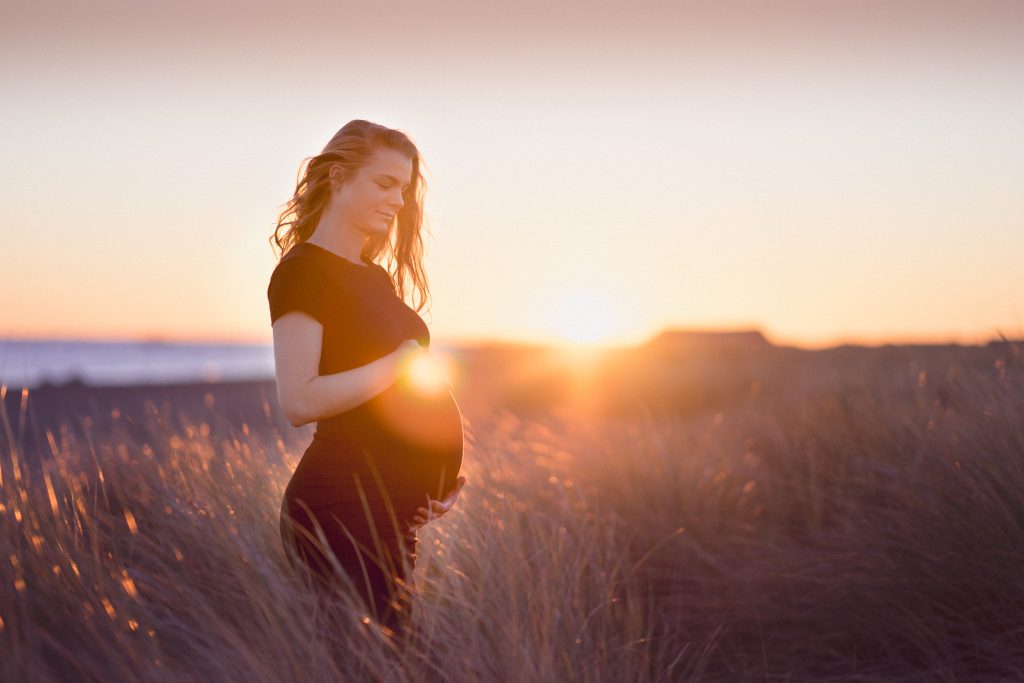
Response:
column 389, row 216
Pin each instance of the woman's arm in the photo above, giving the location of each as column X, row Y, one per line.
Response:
column 304, row 394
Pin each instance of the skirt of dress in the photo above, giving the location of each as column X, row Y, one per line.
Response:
column 357, row 498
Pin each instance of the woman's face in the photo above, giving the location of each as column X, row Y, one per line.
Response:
column 369, row 200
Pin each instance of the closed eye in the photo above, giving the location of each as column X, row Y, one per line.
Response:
column 390, row 180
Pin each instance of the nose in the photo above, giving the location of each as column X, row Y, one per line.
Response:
column 397, row 200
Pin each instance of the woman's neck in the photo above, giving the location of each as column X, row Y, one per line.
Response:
column 333, row 234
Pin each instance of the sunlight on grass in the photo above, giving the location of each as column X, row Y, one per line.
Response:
column 857, row 522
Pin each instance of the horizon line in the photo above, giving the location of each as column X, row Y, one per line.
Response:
column 944, row 339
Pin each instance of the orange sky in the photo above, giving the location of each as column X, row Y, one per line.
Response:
column 821, row 171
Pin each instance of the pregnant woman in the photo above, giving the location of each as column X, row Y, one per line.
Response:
column 351, row 356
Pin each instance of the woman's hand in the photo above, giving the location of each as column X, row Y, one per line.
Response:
column 437, row 507
column 407, row 348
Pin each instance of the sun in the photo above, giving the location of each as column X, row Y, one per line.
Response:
column 584, row 317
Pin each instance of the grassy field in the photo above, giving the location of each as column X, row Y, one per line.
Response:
column 851, row 515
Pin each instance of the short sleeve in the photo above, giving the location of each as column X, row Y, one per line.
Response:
column 296, row 285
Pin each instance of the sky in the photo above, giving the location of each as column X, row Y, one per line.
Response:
column 824, row 172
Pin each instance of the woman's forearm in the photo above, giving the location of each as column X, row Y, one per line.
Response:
column 327, row 395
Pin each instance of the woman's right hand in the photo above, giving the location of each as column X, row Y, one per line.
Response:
column 407, row 348
column 416, row 365
column 404, row 354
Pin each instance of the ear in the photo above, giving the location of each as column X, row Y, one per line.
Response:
column 336, row 174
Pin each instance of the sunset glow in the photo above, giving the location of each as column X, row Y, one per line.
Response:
column 584, row 317
column 822, row 173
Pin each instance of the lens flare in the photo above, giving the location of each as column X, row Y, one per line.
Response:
column 426, row 373
column 419, row 407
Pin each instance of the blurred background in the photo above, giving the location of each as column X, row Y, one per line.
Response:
column 599, row 173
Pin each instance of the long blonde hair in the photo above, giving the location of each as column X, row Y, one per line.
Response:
column 351, row 147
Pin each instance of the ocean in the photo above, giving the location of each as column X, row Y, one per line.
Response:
column 31, row 363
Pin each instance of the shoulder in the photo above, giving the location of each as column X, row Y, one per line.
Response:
column 297, row 265
column 296, row 276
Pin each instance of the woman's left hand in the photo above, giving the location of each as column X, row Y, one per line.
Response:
column 437, row 507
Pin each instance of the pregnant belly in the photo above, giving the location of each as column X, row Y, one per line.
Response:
column 425, row 424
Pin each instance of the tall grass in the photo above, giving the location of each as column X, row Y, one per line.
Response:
column 860, row 520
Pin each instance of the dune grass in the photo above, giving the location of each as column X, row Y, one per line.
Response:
column 861, row 521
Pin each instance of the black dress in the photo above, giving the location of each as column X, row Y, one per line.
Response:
column 369, row 468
